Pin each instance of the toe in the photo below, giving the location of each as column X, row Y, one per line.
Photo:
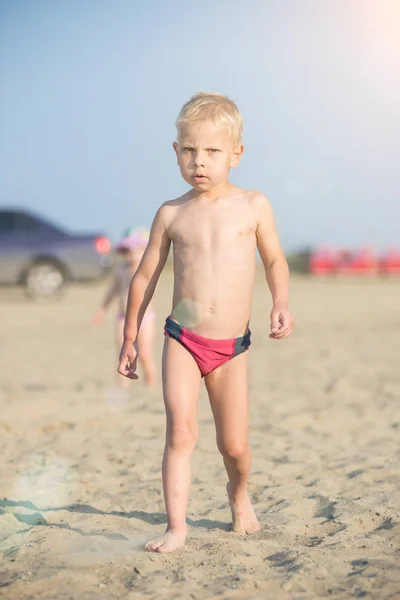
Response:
column 164, row 548
column 253, row 528
column 153, row 546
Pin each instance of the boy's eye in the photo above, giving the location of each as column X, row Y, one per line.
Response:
column 213, row 150
column 187, row 149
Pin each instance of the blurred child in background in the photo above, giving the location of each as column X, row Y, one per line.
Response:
column 131, row 249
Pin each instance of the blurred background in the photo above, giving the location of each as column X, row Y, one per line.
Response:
column 90, row 92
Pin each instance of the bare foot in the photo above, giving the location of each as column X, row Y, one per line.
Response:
column 170, row 541
column 244, row 518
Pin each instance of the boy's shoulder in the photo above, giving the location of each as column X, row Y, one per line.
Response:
column 169, row 207
column 176, row 202
column 251, row 195
column 255, row 198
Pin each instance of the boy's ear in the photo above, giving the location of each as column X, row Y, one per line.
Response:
column 237, row 155
column 175, row 147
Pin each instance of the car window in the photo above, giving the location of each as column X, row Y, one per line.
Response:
column 27, row 223
column 8, row 221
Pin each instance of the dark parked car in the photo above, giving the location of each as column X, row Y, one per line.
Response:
column 41, row 256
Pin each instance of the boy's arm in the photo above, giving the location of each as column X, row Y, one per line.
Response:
column 142, row 289
column 145, row 279
column 276, row 269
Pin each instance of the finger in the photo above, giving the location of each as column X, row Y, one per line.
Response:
column 286, row 330
column 282, row 331
column 124, row 366
column 284, row 334
column 275, row 321
column 122, row 370
column 277, row 334
column 129, row 366
column 284, row 321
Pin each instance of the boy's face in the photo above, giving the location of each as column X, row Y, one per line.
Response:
column 205, row 153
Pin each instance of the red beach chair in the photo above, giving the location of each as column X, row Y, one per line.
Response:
column 322, row 261
column 361, row 262
column 390, row 262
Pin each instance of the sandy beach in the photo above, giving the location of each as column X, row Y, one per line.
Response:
column 80, row 466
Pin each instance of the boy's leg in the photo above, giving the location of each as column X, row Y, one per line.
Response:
column 181, row 386
column 146, row 342
column 228, row 392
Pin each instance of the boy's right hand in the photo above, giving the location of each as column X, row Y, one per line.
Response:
column 128, row 359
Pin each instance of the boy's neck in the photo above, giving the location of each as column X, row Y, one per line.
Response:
column 216, row 192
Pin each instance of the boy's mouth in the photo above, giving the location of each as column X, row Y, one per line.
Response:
column 199, row 178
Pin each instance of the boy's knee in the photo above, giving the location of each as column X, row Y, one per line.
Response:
column 182, row 437
column 234, row 450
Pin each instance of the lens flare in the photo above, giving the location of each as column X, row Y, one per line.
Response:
column 44, row 480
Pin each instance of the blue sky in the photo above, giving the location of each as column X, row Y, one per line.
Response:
column 90, row 90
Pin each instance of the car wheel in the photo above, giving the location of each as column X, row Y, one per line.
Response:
column 44, row 281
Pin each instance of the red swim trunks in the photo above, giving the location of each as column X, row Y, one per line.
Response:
column 209, row 354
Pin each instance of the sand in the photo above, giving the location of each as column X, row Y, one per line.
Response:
column 80, row 466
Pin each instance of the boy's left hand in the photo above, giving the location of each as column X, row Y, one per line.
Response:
column 282, row 322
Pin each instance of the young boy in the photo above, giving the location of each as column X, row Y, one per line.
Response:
column 215, row 229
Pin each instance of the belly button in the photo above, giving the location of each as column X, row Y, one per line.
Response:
column 211, row 309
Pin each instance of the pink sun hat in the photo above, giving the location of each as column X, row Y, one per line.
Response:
column 135, row 237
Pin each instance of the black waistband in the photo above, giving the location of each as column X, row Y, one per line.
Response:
column 176, row 330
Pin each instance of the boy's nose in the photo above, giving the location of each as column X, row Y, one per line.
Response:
column 199, row 160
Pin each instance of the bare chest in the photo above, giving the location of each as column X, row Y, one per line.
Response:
column 213, row 230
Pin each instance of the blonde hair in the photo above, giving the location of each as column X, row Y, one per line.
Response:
column 214, row 107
